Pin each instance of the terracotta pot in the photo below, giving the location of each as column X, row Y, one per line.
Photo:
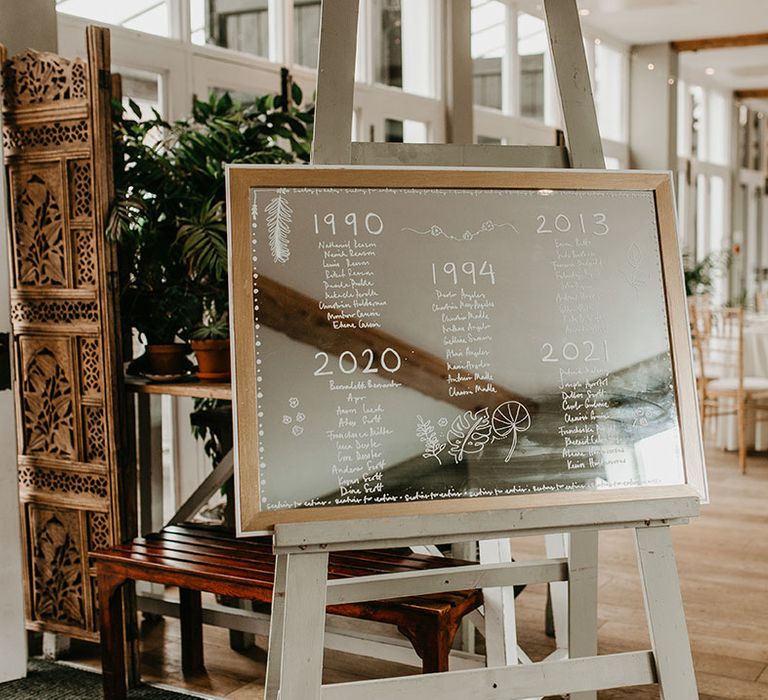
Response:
column 212, row 359
column 167, row 359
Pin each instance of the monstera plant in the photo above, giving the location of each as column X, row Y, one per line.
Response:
column 169, row 216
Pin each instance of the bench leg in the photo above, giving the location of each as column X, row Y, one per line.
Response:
column 191, row 614
column 112, row 626
column 432, row 640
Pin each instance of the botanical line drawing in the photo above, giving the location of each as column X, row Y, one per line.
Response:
column 469, row 433
column 254, row 208
column 426, row 433
column 468, row 235
column 640, row 418
column 510, row 418
column 632, row 269
column 279, row 217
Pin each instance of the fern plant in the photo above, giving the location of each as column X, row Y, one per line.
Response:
column 169, row 215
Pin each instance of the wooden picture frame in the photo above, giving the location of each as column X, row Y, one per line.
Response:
column 240, row 179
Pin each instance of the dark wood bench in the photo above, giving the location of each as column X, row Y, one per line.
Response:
column 197, row 558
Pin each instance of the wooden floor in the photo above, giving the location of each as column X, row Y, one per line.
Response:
column 723, row 561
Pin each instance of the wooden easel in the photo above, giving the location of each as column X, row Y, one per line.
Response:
column 331, row 145
column 302, row 589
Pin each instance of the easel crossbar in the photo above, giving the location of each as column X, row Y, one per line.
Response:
column 509, row 682
column 454, row 155
column 363, row 588
column 445, row 528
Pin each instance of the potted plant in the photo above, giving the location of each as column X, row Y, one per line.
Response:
column 210, row 343
column 699, row 276
column 169, row 215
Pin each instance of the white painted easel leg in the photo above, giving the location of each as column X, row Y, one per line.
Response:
column 499, row 606
column 557, row 548
column 276, row 626
column 304, row 626
column 582, row 599
column 666, row 618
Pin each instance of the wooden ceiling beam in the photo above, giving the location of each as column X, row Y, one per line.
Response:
column 721, row 42
column 753, row 93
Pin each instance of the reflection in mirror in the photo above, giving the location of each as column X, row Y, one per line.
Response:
column 433, row 344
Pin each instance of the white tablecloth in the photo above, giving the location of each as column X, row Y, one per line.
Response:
column 755, row 365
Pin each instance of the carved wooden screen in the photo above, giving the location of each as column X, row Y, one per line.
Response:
column 57, row 146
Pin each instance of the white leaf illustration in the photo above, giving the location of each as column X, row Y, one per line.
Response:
column 510, row 418
column 279, row 215
column 254, row 207
column 469, row 433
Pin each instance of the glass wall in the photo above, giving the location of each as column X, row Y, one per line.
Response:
column 306, row 32
column 402, row 41
column 398, row 71
column 151, row 16
column 489, row 44
column 533, row 51
column 241, row 25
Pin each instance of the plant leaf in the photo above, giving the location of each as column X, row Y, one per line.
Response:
column 469, row 433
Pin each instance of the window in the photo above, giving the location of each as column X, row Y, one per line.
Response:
column 306, row 32
column 488, row 48
column 143, row 89
column 402, row 43
column 702, row 239
column 610, row 80
column 532, row 48
column 241, row 25
column 697, row 125
column 405, row 131
column 719, row 128
column 142, row 15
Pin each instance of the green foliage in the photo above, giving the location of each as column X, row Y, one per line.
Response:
column 699, row 275
column 213, row 328
column 169, row 215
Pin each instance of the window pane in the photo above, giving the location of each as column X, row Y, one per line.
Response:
column 405, row 131
column 609, row 92
column 702, row 240
column 719, row 128
column 143, row 89
column 717, row 240
column 698, row 128
column 393, row 131
column 142, row 15
column 532, row 47
column 493, row 140
column 402, row 43
column 683, row 147
column 488, row 47
column 306, row 32
column 241, row 25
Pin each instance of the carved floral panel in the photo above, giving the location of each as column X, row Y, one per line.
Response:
column 47, row 401
column 32, row 77
column 57, row 565
column 39, row 230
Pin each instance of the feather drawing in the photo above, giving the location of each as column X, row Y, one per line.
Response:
column 469, row 433
column 279, row 216
column 254, row 207
column 425, row 431
column 510, row 418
